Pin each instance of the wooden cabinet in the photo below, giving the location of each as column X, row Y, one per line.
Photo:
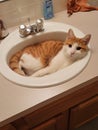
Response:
column 49, row 125
column 68, row 112
column 8, row 127
column 57, row 123
column 83, row 112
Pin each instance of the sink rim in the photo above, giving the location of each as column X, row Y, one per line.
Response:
column 48, row 80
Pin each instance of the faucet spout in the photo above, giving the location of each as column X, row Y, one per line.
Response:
column 31, row 29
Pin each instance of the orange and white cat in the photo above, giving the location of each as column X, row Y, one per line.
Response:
column 49, row 56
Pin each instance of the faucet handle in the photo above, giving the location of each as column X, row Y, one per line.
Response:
column 39, row 24
column 24, row 31
column 31, row 29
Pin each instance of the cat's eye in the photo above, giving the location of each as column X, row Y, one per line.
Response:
column 78, row 48
column 70, row 45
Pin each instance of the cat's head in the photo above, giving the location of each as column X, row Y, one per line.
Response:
column 76, row 48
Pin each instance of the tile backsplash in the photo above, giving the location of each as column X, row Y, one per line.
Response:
column 15, row 12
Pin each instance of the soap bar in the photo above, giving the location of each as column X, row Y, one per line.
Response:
column 48, row 9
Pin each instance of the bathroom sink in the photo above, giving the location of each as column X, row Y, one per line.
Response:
column 14, row 43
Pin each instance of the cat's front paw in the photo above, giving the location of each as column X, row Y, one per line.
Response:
column 39, row 74
column 36, row 75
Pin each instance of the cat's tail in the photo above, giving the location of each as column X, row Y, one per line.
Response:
column 14, row 63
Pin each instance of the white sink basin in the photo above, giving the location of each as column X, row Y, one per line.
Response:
column 53, row 30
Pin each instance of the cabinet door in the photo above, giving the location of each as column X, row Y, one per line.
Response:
column 8, row 127
column 83, row 112
column 57, row 123
column 49, row 125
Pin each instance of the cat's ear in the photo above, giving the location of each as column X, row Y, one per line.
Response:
column 70, row 34
column 86, row 39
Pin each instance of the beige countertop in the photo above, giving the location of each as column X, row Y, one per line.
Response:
column 16, row 100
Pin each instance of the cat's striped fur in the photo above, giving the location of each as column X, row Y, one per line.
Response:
column 49, row 56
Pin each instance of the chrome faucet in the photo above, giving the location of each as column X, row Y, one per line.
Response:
column 37, row 27
column 3, row 30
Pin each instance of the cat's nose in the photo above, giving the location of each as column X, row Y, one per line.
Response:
column 72, row 53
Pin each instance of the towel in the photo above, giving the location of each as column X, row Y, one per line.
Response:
column 79, row 5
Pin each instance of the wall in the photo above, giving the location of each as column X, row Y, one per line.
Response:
column 93, row 2
column 15, row 12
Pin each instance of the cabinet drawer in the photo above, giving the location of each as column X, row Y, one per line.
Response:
column 59, row 122
column 8, row 127
column 49, row 125
column 84, row 112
